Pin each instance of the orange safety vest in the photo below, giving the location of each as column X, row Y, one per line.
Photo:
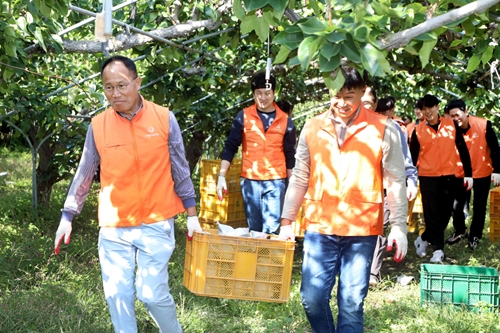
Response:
column 438, row 154
column 345, row 193
column 136, row 179
column 263, row 156
column 475, row 138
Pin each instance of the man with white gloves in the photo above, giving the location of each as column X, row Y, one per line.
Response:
column 267, row 136
column 345, row 158
column 484, row 150
column 444, row 167
column 145, row 183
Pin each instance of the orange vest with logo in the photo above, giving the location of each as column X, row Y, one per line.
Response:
column 263, row 156
column 438, row 152
column 136, row 178
column 475, row 138
column 345, row 193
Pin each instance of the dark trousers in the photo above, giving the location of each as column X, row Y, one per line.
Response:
column 438, row 196
column 480, row 200
column 458, row 214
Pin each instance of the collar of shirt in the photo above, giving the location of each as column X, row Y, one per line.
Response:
column 137, row 111
column 339, row 120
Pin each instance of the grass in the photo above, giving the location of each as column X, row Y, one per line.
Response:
column 41, row 292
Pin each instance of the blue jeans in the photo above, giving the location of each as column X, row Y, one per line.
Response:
column 263, row 201
column 325, row 256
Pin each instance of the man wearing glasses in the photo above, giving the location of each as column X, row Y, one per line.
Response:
column 145, row 183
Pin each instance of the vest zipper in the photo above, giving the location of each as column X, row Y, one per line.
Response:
column 137, row 167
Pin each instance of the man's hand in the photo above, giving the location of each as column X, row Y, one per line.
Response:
column 411, row 191
column 286, row 233
column 63, row 231
column 495, row 179
column 193, row 225
column 221, row 187
column 468, row 182
column 399, row 238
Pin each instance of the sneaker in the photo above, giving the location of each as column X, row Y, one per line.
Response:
column 421, row 246
column 456, row 237
column 437, row 256
column 473, row 244
column 373, row 281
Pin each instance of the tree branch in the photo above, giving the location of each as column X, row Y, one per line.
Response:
column 415, row 70
column 402, row 38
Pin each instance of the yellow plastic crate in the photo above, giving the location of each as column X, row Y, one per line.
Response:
column 238, row 267
column 230, row 209
column 211, row 224
column 495, row 214
column 209, row 175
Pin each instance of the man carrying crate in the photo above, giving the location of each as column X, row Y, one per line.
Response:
column 344, row 158
column 145, row 183
column 268, row 137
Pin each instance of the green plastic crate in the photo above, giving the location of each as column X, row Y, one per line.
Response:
column 459, row 285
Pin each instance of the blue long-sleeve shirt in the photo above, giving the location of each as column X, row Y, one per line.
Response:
column 235, row 137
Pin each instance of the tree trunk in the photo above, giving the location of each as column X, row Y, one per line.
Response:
column 194, row 149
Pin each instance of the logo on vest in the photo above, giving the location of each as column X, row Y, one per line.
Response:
column 475, row 135
column 152, row 131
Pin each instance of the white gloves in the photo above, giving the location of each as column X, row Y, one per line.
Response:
column 411, row 191
column 495, row 179
column 193, row 225
column 468, row 181
column 399, row 237
column 286, row 233
column 63, row 231
column 221, row 186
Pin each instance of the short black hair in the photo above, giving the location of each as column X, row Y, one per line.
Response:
column 373, row 93
column 429, row 101
column 353, row 78
column 259, row 81
column 457, row 103
column 385, row 104
column 129, row 63
column 418, row 104
column 285, row 106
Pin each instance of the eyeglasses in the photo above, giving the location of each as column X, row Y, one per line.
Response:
column 108, row 89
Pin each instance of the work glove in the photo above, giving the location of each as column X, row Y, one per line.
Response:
column 221, row 186
column 495, row 179
column 398, row 237
column 286, row 233
column 468, row 181
column 63, row 231
column 193, row 225
column 411, row 191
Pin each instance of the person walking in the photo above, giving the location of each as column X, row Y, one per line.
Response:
column 385, row 106
column 145, row 183
column 344, row 156
column 444, row 168
column 267, row 135
column 484, row 150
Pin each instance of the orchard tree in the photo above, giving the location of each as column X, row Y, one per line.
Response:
column 197, row 58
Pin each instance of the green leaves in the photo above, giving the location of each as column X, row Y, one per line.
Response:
column 473, row 63
column 425, row 51
column 374, row 60
column 255, row 4
column 307, row 49
column 313, row 26
column 238, row 9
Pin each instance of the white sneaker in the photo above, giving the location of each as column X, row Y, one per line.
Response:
column 437, row 256
column 421, row 246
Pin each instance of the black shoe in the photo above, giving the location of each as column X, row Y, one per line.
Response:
column 474, row 243
column 456, row 237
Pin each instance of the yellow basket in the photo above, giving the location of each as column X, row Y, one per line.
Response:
column 238, row 267
column 211, row 224
column 209, row 175
column 230, row 209
column 495, row 214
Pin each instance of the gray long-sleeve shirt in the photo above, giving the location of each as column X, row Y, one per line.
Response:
column 393, row 174
column 80, row 186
